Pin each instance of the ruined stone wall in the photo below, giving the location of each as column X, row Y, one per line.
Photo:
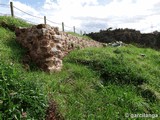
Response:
column 47, row 45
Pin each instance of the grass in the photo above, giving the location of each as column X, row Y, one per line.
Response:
column 95, row 83
column 14, row 21
column 20, row 94
column 78, row 35
column 121, row 72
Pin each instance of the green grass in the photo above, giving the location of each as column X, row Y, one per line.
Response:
column 95, row 83
column 120, row 73
column 78, row 35
column 14, row 21
column 19, row 93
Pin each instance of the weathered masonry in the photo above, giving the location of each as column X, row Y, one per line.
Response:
column 47, row 45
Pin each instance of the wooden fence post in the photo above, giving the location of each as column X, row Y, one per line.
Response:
column 63, row 26
column 45, row 20
column 81, row 32
column 74, row 29
column 11, row 6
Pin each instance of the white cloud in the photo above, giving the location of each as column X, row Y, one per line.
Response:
column 25, row 8
column 20, row 10
column 4, row 8
column 136, row 14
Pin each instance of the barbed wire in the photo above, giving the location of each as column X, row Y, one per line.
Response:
column 53, row 22
column 7, row 5
column 26, row 20
column 4, row 5
column 67, row 26
column 4, row 14
column 27, row 13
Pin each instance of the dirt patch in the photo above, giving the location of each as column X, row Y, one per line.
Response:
column 5, row 25
column 52, row 112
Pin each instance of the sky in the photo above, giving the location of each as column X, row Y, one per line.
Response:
column 90, row 15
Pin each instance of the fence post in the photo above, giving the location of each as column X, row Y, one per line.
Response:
column 45, row 20
column 81, row 32
column 11, row 6
column 63, row 26
column 74, row 29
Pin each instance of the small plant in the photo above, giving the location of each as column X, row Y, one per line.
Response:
column 20, row 98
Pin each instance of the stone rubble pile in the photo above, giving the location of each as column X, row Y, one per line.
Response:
column 116, row 44
column 47, row 45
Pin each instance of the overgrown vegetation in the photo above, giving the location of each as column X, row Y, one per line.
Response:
column 121, row 74
column 14, row 21
column 129, row 36
column 20, row 95
column 95, row 83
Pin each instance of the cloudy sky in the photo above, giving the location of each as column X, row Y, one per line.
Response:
column 91, row 15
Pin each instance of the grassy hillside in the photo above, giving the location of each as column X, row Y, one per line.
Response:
column 78, row 35
column 95, row 83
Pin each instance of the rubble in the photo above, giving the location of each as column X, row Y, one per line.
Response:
column 116, row 44
column 47, row 46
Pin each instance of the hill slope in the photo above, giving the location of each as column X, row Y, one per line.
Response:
column 95, row 83
column 128, row 36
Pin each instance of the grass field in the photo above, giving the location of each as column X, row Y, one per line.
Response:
column 95, row 83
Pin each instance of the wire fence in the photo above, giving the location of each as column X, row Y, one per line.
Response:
column 4, row 5
column 11, row 10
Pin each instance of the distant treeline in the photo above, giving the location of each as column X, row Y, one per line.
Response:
column 127, row 36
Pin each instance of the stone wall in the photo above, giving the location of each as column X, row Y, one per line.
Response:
column 47, row 45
